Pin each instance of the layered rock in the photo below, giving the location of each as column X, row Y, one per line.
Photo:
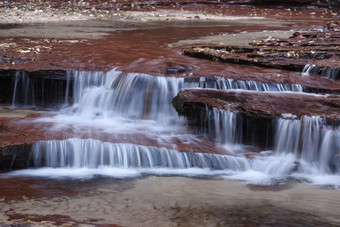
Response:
column 319, row 49
column 259, row 104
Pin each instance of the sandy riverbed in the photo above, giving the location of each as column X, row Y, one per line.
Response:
column 170, row 201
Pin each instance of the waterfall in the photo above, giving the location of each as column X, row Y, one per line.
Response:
column 89, row 153
column 223, row 126
column 312, row 142
column 136, row 96
column 78, row 87
column 97, row 157
column 142, row 96
column 227, row 84
column 23, row 88
column 330, row 73
column 303, row 145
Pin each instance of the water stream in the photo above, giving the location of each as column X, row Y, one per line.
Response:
column 304, row 149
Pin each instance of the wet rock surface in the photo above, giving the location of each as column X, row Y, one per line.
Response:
column 319, row 49
column 191, row 102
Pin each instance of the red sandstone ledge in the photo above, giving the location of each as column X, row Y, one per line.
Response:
column 266, row 105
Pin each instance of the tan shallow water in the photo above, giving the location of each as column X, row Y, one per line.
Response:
column 166, row 201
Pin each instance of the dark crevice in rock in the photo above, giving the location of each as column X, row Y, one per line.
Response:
column 16, row 157
column 36, row 89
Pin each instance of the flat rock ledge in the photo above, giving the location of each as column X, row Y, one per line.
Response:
column 259, row 104
column 315, row 52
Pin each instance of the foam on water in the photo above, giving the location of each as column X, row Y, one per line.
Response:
column 76, row 173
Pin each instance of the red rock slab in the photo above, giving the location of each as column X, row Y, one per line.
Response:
column 259, row 104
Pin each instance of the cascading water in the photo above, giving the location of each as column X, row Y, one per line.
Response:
column 330, row 73
column 227, row 84
column 224, row 126
column 299, row 146
column 314, row 144
column 29, row 91
column 37, row 90
column 304, row 148
column 79, row 153
column 137, row 96
column 144, row 96
column 23, row 87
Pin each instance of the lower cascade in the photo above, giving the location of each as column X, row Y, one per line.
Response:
column 79, row 153
column 304, row 148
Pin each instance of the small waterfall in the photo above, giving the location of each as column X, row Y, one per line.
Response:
column 226, row 84
column 310, row 140
column 330, row 73
column 24, row 89
column 234, row 128
column 310, row 69
column 133, row 95
column 224, row 126
column 39, row 89
column 142, row 96
column 89, row 153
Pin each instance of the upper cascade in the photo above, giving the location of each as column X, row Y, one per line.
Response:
column 133, row 95
column 142, row 96
column 38, row 89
